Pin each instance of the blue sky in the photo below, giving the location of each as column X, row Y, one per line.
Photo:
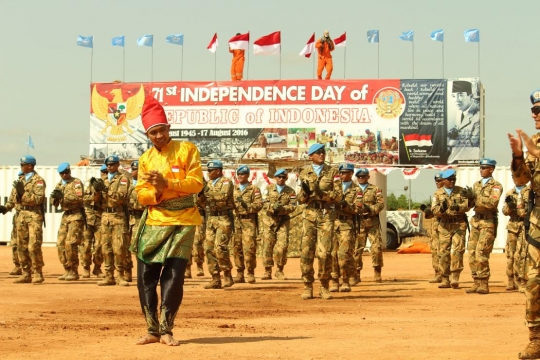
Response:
column 45, row 76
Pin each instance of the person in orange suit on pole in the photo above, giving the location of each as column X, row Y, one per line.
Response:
column 237, row 66
column 325, row 46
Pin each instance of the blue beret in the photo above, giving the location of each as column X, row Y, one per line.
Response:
column 438, row 176
column 214, row 164
column 20, row 173
column 535, row 96
column 323, row 130
column 135, row 164
column 349, row 134
column 362, row 171
column 244, row 169
column 489, row 162
column 448, row 173
column 346, row 167
column 315, row 147
column 63, row 166
column 103, row 168
column 28, row 159
column 112, row 159
column 281, row 172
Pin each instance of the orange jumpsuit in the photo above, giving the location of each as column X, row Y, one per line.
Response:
column 325, row 58
column 237, row 66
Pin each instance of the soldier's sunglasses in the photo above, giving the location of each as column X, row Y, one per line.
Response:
column 535, row 110
column 65, row 172
column 320, row 152
column 485, row 167
column 281, row 176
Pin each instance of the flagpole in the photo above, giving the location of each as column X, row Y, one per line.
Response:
column 91, row 63
column 152, row 65
column 280, row 61
column 124, row 63
column 479, row 59
column 247, row 70
column 215, row 66
column 28, row 140
column 442, row 59
column 412, row 59
column 345, row 63
column 378, row 58
column 313, row 60
column 182, row 66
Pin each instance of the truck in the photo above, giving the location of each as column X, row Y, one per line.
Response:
column 401, row 224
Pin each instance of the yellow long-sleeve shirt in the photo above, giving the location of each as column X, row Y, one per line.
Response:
column 180, row 164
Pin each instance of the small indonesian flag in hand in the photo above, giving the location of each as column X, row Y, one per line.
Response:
column 212, row 47
column 309, row 48
column 341, row 41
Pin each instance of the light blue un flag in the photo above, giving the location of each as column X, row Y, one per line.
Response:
column 373, row 36
column 407, row 35
column 472, row 35
column 146, row 40
column 437, row 35
column 86, row 41
column 30, row 143
column 118, row 41
column 177, row 39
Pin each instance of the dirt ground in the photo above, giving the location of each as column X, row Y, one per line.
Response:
column 404, row 317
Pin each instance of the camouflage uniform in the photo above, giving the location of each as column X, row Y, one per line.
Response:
column 514, row 232
column 349, row 143
column 71, row 226
column 370, row 202
column 93, row 206
column 345, row 227
column 12, row 204
column 245, row 224
column 483, row 228
column 452, row 229
column 30, row 229
column 276, row 226
column 218, row 204
column 521, row 255
column 434, row 243
column 318, row 224
column 198, row 245
column 113, row 228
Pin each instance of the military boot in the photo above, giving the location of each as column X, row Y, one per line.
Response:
column 355, row 279
column 324, row 293
column 228, row 280
column 377, row 274
column 522, row 285
column 532, row 351
column 72, row 275
column 16, row 271
column 65, row 274
column 107, row 280
column 445, row 283
column 38, row 278
column 345, row 286
column 215, row 283
column 308, row 291
column 25, row 278
column 187, row 273
column 239, row 278
column 86, row 272
column 251, row 277
column 511, row 284
column 200, row 271
column 334, row 285
column 454, row 280
column 128, row 275
column 267, row 273
column 121, row 279
column 280, row 274
column 484, row 287
column 97, row 271
column 436, row 279
column 474, row 288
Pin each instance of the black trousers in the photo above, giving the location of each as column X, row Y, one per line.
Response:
column 170, row 276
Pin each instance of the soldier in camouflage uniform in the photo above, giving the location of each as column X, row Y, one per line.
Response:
column 513, row 208
column 114, row 191
column 135, row 213
column 247, row 203
column 319, row 194
column 68, row 194
column 218, row 203
column 434, row 244
column 11, row 204
column 524, row 170
column 522, row 253
column 31, row 199
column 280, row 202
column 370, row 141
column 370, row 202
column 345, row 227
column 198, row 244
column 324, row 139
column 91, row 250
column 486, row 195
column 349, row 143
column 450, row 204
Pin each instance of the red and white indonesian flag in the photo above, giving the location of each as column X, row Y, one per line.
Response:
column 418, row 140
column 309, row 48
column 268, row 45
column 212, row 47
column 342, row 40
column 410, row 173
column 239, row 42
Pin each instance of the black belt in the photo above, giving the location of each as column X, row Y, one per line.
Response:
column 245, row 216
column 218, row 213
column 484, row 216
column 30, row 207
column 320, row 205
column 345, row 217
column 136, row 212
column 92, row 207
column 113, row 210
column 453, row 219
column 73, row 211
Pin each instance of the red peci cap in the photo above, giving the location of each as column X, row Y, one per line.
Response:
column 152, row 113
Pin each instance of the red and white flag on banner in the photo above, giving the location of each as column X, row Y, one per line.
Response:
column 309, row 48
column 239, row 42
column 410, row 173
column 268, row 45
column 212, row 47
column 418, row 140
column 341, row 40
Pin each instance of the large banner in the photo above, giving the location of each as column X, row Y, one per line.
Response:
column 392, row 121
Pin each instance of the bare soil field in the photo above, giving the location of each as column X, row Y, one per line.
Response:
column 404, row 317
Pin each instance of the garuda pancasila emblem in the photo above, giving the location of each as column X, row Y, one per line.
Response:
column 118, row 112
column 389, row 102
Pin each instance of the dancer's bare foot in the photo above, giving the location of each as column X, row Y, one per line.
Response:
column 169, row 340
column 147, row 339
